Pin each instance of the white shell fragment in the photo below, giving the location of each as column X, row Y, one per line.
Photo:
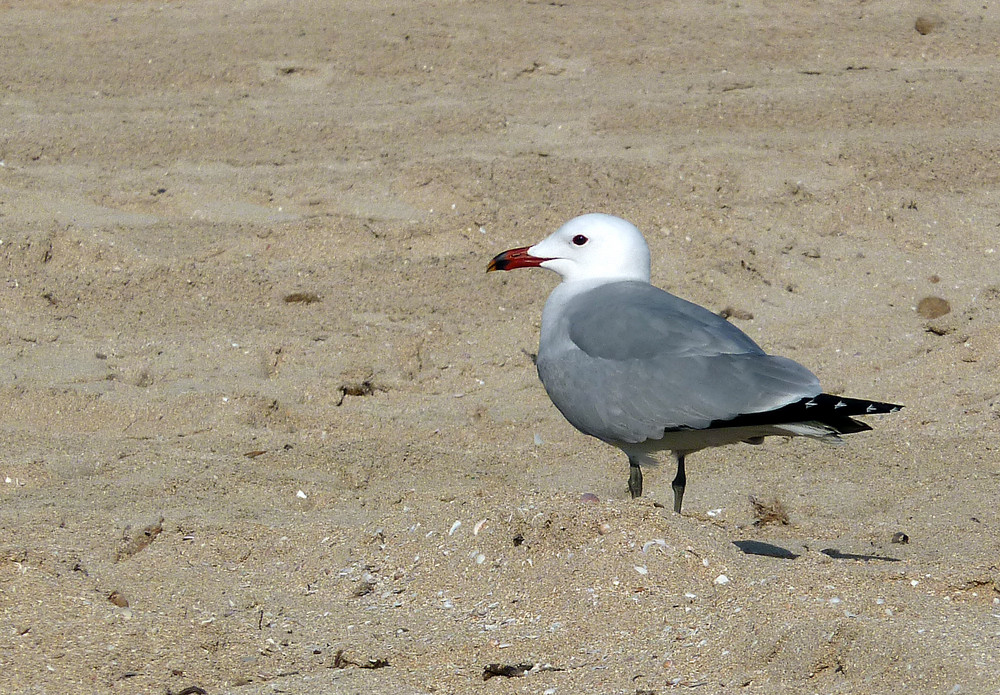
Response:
column 658, row 542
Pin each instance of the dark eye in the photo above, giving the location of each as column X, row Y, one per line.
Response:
column 580, row 240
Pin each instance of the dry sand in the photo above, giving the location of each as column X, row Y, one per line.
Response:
column 207, row 486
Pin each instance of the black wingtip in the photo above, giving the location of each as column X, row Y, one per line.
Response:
column 836, row 411
column 843, row 406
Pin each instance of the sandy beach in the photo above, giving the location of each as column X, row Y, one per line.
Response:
column 268, row 426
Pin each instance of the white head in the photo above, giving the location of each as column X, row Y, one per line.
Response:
column 589, row 247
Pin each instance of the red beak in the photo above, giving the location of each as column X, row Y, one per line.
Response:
column 515, row 258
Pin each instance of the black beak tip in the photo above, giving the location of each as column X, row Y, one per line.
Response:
column 501, row 261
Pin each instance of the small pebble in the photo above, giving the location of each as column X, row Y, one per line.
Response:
column 604, row 528
column 641, row 570
column 733, row 312
column 589, row 498
column 933, row 307
column 301, row 495
column 900, row 537
column 721, row 580
column 925, row 25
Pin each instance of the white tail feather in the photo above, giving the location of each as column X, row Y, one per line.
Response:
column 815, row 430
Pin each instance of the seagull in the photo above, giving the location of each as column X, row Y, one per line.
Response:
column 646, row 371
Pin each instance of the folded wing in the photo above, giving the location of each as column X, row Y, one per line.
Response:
column 636, row 361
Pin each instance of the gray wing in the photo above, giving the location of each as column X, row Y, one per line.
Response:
column 636, row 361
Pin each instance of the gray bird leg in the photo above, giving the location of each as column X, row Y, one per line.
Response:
column 680, row 481
column 634, row 478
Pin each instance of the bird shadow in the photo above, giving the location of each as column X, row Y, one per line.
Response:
column 837, row 555
column 748, row 547
column 765, row 549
